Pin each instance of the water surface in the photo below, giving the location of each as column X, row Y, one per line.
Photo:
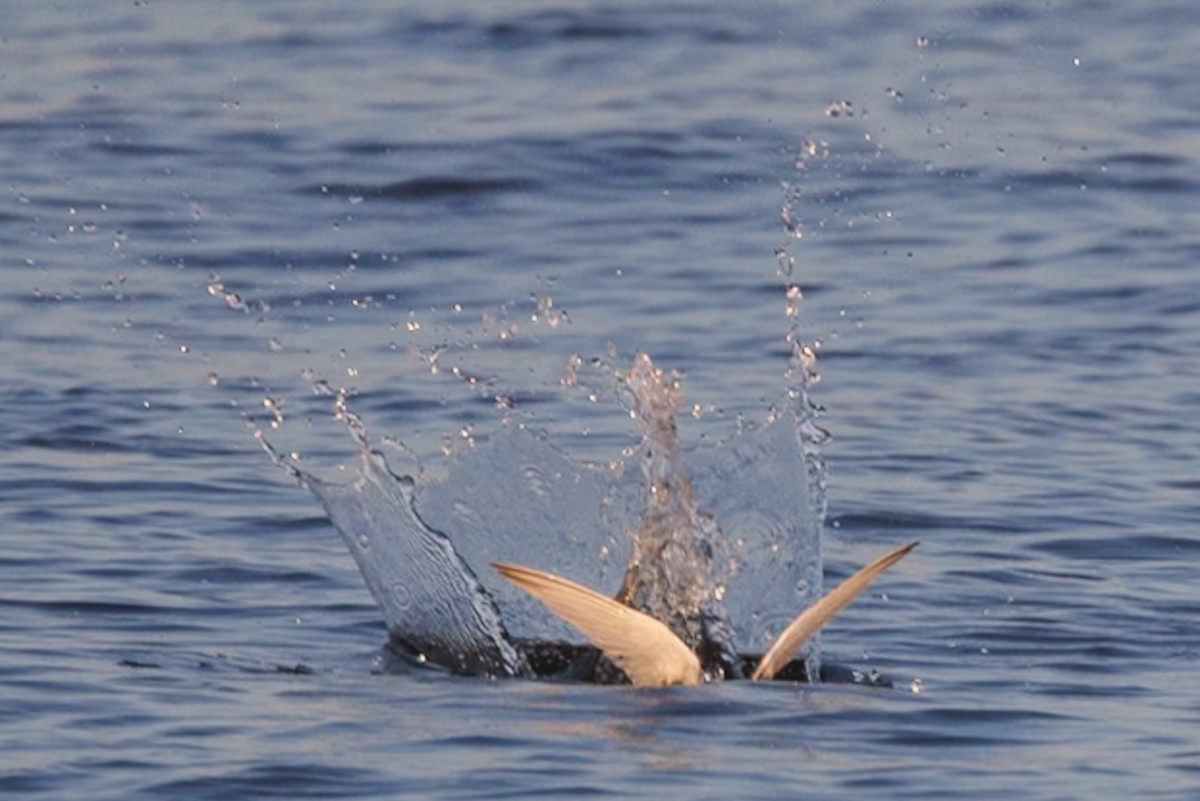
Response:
column 989, row 210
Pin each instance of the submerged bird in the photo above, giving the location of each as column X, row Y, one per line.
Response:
column 648, row 651
column 668, row 623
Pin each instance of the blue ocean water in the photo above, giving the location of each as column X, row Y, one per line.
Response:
column 989, row 211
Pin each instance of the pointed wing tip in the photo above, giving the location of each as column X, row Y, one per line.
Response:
column 527, row 578
column 902, row 551
column 893, row 556
column 513, row 572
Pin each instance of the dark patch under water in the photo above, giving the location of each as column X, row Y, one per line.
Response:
column 567, row 661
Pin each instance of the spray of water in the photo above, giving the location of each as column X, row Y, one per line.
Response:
column 722, row 542
column 716, row 541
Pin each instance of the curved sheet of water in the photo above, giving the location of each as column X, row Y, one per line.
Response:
column 710, row 539
column 430, row 597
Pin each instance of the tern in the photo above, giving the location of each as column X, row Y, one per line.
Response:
column 648, row 651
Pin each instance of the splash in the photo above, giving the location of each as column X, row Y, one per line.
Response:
column 718, row 541
column 673, row 570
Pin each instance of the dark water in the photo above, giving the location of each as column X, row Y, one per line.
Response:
column 994, row 227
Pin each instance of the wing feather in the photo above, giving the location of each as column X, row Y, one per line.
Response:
column 648, row 651
column 817, row 615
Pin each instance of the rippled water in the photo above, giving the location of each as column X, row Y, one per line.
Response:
column 989, row 209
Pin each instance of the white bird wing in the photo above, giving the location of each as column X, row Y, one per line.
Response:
column 817, row 615
column 649, row 652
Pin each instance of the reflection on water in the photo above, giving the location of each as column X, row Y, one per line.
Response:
column 719, row 541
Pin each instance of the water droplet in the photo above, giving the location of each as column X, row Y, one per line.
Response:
column 840, row 108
